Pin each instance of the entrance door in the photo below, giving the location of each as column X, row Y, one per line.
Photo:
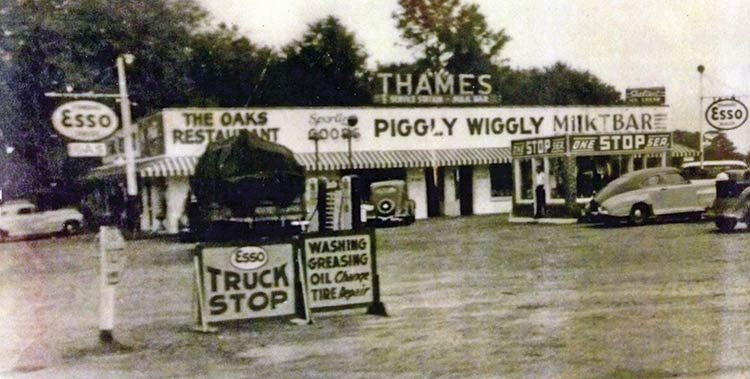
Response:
column 466, row 190
column 435, row 187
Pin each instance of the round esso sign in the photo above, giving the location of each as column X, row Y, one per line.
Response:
column 84, row 120
column 249, row 257
column 726, row 114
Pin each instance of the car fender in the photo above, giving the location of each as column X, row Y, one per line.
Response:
column 620, row 205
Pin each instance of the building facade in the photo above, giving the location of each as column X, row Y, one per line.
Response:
column 455, row 161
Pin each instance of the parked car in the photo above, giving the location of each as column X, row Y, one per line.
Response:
column 390, row 203
column 21, row 218
column 693, row 171
column 643, row 195
column 732, row 203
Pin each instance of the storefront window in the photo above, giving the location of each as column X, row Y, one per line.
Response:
column 527, row 180
column 557, row 178
column 501, row 180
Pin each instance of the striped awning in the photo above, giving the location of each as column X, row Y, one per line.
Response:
column 149, row 168
column 331, row 161
column 168, row 166
column 684, row 151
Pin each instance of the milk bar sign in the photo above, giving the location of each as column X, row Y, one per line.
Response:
column 339, row 270
column 244, row 282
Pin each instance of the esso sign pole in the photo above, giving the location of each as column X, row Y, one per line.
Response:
column 127, row 128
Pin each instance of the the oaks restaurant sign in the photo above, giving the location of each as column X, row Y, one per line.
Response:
column 187, row 131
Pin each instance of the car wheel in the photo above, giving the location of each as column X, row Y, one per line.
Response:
column 71, row 227
column 639, row 214
column 726, row 224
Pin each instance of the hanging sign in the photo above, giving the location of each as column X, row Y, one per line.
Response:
column 84, row 120
column 726, row 114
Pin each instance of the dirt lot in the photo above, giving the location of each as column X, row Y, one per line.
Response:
column 469, row 297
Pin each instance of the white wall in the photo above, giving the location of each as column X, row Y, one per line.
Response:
column 417, row 190
column 177, row 190
column 451, row 205
column 484, row 203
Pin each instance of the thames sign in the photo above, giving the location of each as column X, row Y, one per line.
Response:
column 726, row 114
column 84, row 120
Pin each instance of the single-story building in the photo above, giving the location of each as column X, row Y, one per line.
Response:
column 456, row 160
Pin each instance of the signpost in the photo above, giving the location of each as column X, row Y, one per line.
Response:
column 88, row 121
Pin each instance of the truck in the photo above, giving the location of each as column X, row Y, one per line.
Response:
column 732, row 203
column 244, row 187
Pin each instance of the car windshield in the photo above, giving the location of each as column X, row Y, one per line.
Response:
column 387, row 190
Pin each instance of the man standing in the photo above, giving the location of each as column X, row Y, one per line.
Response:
column 539, row 193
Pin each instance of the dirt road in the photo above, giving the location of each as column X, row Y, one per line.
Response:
column 468, row 297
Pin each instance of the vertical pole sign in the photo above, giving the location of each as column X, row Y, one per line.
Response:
column 111, row 246
column 341, row 271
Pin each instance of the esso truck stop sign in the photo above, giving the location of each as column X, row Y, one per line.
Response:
column 84, row 120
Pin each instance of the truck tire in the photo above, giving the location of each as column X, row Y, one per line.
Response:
column 71, row 227
column 726, row 224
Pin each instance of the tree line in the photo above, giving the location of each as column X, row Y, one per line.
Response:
column 185, row 60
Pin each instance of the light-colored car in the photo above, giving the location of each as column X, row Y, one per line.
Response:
column 21, row 218
column 640, row 196
column 693, row 171
column 390, row 203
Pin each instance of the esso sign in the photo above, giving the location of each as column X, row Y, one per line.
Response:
column 249, row 258
column 726, row 114
column 84, row 120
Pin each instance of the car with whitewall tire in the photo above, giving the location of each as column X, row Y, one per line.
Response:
column 21, row 218
column 645, row 195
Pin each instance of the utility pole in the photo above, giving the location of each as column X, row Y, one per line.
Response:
column 701, row 68
column 127, row 130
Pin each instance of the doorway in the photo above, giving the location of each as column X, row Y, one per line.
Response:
column 466, row 189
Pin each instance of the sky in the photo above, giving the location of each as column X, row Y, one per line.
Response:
column 633, row 43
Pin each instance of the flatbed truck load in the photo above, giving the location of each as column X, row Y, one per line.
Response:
column 246, row 187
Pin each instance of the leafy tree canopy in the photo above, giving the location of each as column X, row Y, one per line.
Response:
column 325, row 67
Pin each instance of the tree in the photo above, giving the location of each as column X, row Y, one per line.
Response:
column 51, row 45
column 449, row 36
column 226, row 69
column 325, row 67
column 685, row 138
column 556, row 85
column 721, row 148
